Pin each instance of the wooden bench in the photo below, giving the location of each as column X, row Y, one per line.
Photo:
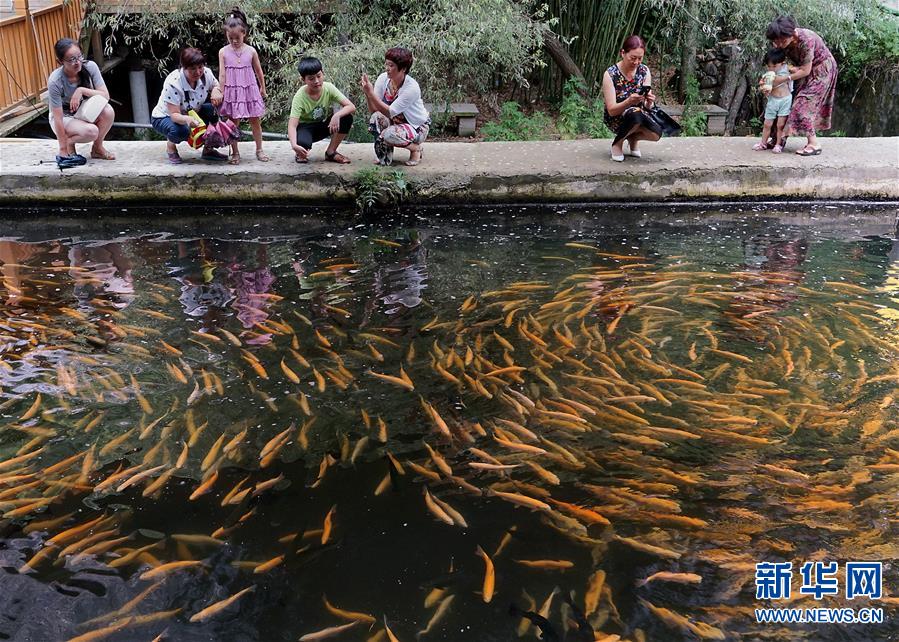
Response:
column 717, row 116
column 465, row 113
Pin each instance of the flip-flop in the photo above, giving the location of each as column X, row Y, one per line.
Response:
column 808, row 151
column 106, row 155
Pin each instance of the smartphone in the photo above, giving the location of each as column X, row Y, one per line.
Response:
column 644, row 90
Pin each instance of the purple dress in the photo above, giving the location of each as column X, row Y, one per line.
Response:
column 242, row 98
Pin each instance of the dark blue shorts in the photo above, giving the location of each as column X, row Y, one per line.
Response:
column 175, row 133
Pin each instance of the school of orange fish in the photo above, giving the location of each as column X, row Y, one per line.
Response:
column 635, row 406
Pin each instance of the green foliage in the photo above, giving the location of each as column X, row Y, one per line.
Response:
column 573, row 110
column 359, row 130
column 514, row 125
column 756, row 123
column 834, row 133
column 376, row 187
column 593, row 31
column 694, row 121
column 577, row 117
column 862, row 34
column 874, row 48
column 595, row 125
column 458, row 50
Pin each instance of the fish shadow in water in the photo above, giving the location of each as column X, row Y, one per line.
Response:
column 548, row 633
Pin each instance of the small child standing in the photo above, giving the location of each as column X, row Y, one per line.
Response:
column 780, row 100
column 240, row 74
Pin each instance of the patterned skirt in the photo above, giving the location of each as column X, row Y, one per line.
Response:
column 813, row 100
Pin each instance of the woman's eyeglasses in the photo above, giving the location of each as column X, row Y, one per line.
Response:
column 74, row 60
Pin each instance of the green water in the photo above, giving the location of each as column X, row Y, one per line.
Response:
column 720, row 385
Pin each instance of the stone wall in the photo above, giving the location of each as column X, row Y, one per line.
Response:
column 723, row 81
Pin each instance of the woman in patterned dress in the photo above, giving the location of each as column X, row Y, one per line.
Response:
column 626, row 92
column 815, row 80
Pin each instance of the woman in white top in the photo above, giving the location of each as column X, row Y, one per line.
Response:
column 192, row 87
column 75, row 80
column 399, row 117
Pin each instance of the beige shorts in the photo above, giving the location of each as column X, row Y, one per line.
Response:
column 65, row 121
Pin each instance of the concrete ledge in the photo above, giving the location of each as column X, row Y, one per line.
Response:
column 547, row 171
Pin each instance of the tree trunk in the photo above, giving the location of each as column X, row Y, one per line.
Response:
column 688, row 52
column 733, row 76
column 733, row 109
column 559, row 53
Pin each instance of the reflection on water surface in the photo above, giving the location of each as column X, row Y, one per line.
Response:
column 264, row 428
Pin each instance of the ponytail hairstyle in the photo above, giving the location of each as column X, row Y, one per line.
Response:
column 236, row 19
column 60, row 48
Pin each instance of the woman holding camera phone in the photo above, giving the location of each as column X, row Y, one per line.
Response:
column 627, row 92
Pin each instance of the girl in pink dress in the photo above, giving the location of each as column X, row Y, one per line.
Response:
column 240, row 74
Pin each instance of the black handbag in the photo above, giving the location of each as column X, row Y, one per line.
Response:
column 666, row 123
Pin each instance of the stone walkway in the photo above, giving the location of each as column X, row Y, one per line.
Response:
column 550, row 171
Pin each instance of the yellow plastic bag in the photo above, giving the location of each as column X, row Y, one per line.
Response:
column 197, row 134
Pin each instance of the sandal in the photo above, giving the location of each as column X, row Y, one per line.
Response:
column 337, row 157
column 413, row 163
column 102, row 155
column 262, row 156
column 234, row 158
column 777, row 149
column 760, row 147
column 300, row 160
column 808, row 150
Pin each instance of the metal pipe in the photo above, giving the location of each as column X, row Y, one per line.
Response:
column 138, row 85
column 246, row 134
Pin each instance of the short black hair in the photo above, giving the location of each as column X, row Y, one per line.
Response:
column 775, row 56
column 309, row 66
column 781, row 27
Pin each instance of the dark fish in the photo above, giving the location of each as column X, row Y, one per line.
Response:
column 395, row 474
column 547, row 632
column 584, row 631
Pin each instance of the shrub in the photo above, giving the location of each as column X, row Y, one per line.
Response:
column 456, row 51
column 573, row 112
column 694, row 121
column 862, row 34
column 756, row 123
column 577, row 117
column 376, row 187
column 514, row 125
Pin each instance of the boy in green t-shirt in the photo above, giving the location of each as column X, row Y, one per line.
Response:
column 311, row 117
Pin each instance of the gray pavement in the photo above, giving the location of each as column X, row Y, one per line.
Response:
column 546, row 171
